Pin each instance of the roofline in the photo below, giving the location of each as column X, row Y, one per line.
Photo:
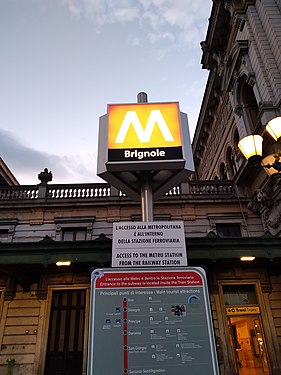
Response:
column 7, row 174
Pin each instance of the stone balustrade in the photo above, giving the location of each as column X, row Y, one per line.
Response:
column 78, row 191
column 19, row 192
column 103, row 191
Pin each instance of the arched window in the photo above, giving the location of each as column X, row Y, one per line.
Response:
column 223, row 174
column 231, row 166
column 236, row 139
column 236, row 153
column 247, row 101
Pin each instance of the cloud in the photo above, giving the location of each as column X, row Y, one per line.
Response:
column 103, row 12
column 159, row 53
column 25, row 163
column 161, row 18
column 125, row 14
column 74, row 9
column 155, row 37
column 134, row 41
column 185, row 18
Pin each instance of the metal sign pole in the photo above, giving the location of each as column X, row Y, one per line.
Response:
column 146, row 197
column 145, row 181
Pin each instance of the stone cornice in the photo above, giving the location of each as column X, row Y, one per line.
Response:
column 224, row 14
column 99, row 250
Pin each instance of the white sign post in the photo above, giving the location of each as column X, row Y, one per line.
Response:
column 146, row 244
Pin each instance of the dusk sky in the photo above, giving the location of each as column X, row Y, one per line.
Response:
column 63, row 61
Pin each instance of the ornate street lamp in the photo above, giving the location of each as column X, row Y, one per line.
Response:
column 274, row 128
column 251, row 148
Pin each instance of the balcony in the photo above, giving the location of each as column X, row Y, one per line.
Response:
column 100, row 191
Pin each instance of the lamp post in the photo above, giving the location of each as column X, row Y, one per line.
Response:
column 251, row 148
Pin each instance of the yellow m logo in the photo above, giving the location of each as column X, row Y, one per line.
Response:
column 144, row 134
column 143, row 125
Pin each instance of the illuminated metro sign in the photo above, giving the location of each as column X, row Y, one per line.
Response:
column 144, row 137
column 139, row 132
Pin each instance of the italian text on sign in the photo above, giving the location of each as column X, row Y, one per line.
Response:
column 146, row 244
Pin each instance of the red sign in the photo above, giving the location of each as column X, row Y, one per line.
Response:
column 151, row 279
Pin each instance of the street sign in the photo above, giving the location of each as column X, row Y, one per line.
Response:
column 155, row 321
column 242, row 310
column 146, row 244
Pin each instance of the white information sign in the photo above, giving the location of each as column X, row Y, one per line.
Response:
column 141, row 244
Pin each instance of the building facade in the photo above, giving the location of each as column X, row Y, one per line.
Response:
column 243, row 92
column 229, row 210
column 242, row 53
column 45, row 308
